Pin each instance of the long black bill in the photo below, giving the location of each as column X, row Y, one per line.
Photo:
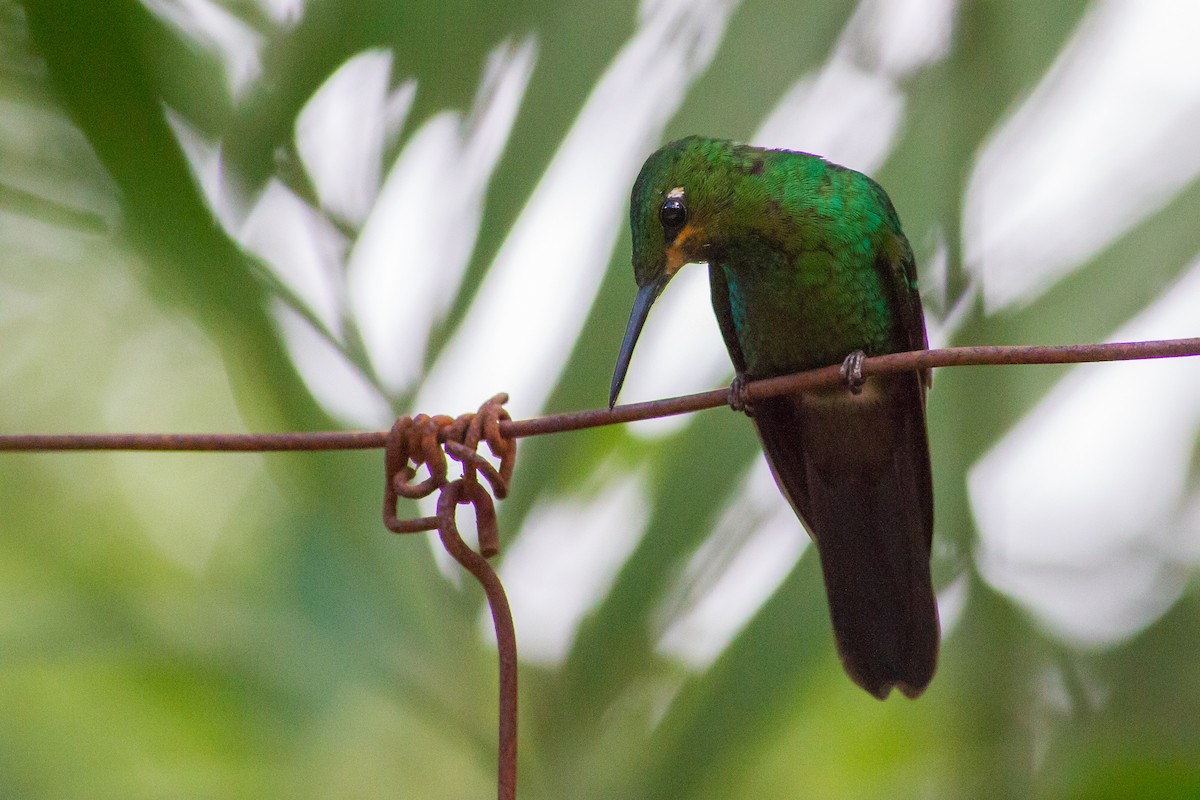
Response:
column 637, row 318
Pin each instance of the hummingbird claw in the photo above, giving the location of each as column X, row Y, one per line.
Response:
column 852, row 373
column 739, row 397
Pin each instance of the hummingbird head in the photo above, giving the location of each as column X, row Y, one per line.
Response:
column 681, row 198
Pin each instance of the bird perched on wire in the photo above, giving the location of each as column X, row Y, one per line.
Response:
column 808, row 267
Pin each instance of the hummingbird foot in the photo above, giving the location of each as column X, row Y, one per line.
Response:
column 852, row 373
column 739, row 397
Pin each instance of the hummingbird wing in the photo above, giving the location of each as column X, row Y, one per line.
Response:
column 855, row 469
column 899, row 270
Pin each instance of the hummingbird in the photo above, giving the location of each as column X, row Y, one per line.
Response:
column 808, row 267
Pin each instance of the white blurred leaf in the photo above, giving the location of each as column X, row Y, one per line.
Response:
column 411, row 254
column 301, row 247
column 850, row 111
column 1080, row 506
column 754, row 546
column 209, row 171
column 236, row 44
column 333, row 380
column 567, row 556
column 284, row 12
column 341, row 131
column 1105, row 140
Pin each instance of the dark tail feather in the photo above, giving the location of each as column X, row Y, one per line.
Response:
column 876, row 567
column 857, row 474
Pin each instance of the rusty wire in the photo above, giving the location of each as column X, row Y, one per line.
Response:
column 580, row 420
column 502, row 621
column 425, row 442
column 825, row 377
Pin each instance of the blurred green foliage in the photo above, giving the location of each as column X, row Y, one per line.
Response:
column 239, row 625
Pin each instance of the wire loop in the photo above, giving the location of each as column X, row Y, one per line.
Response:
column 425, row 441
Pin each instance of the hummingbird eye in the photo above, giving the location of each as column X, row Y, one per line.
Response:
column 672, row 215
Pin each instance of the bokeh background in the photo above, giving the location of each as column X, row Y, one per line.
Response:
column 223, row 215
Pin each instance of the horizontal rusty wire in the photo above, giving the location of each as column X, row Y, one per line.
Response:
column 580, row 420
column 824, row 377
column 195, row 442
